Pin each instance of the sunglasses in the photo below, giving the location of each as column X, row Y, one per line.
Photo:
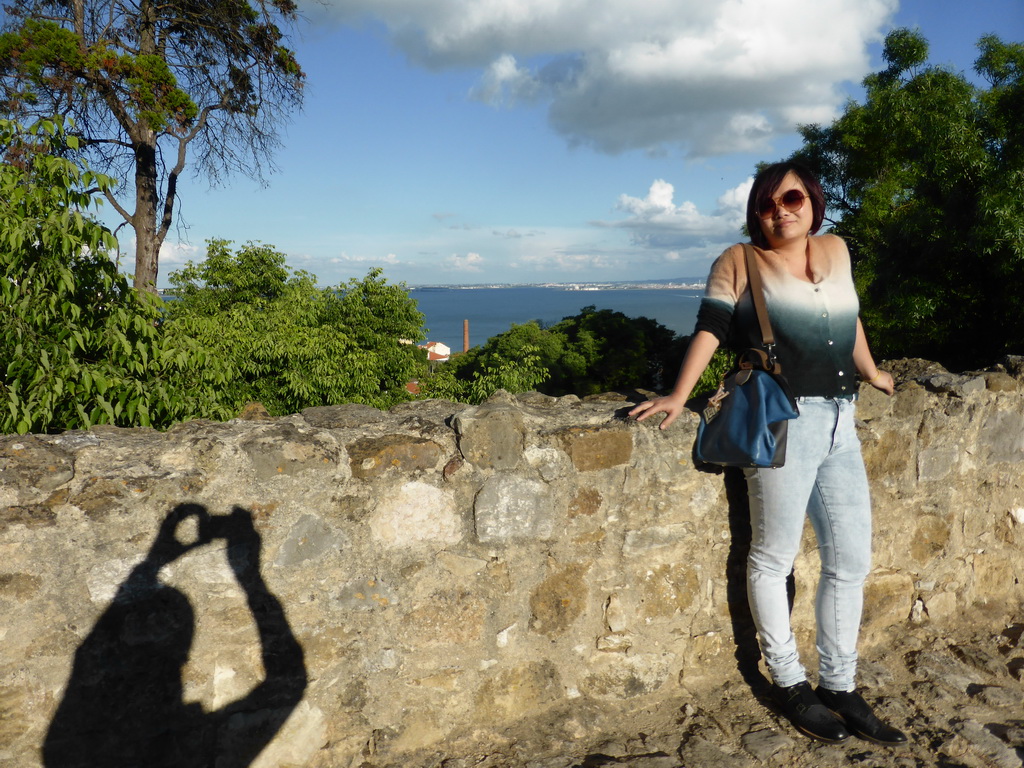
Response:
column 792, row 200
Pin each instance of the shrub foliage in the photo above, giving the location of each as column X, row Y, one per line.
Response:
column 291, row 343
column 78, row 345
column 924, row 179
column 592, row 352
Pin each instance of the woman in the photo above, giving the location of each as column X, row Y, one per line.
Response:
column 821, row 346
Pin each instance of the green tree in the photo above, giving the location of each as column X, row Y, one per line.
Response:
column 614, row 352
column 148, row 83
column 521, row 373
column 293, row 343
column 924, row 181
column 78, row 346
column 518, row 360
column 592, row 352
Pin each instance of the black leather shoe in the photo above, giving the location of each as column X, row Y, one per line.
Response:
column 860, row 720
column 808, row 715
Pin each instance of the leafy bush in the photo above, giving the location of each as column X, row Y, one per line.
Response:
column 592, row 352
column 292, row 343
column 721, row 365
column 925, row 178
column 78, row 346
column 522, row 373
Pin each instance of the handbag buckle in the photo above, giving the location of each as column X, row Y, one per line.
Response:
column 714, row 406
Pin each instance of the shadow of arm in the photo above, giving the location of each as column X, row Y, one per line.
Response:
column 252, row 722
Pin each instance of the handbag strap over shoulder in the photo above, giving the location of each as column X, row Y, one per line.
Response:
column 757, row 294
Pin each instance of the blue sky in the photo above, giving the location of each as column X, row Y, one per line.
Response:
column 529, row 141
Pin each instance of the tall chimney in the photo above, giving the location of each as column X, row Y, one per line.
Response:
column 465, row 335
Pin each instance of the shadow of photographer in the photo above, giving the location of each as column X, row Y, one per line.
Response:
column 124, row 706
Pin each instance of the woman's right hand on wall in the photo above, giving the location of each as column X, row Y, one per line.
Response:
column 670, row 405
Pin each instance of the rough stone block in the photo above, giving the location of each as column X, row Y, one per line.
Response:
column 666, row 590
column 367, row 595
column 31, row 516
column 959, row 385
column 998, row 381
column 872, row 404
column 941, row 605
column 910, row 402
column 937, row 462
column 889, row 455
column 459, row 565
column 586, row 502
column 888, row 599
column 99, row 497
column 29, row 464
column 347, row 416
column 614, row 676
column 310, row 538
column 559, row 600
column 373, row 456
column 303, row 733
column 698, row 751
column 765, row 743
column 511, row 507
column 416, row 513
column 1002, row 436
column 660, row 541
column 447, row 617
column 597, row 448
column 491, row 436
column 929, row 538
column 514, row 693
column 281, row 449
column 995, row 577
column 20, row 587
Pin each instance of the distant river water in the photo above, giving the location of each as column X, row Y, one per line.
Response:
column 491, row 311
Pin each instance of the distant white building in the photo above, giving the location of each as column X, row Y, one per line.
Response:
column 437, row 352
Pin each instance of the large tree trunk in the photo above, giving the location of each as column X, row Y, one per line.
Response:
column 147, row 179
column 147, row 243
column 227, row 58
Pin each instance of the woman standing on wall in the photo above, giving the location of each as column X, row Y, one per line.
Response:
column 821, row 346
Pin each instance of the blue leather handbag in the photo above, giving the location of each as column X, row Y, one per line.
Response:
column 746, row 422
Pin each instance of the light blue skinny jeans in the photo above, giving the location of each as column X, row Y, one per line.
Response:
column 824, row 480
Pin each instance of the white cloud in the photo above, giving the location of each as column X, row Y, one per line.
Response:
column 174, row 254
column 655, row 221
column 568, row 263
column 514, row 234
column 388, row 260
column 471, row 262
column 620, row 75
column 504, row 81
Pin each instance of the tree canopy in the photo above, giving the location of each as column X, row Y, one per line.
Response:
column 293, row 343
column 592, row 352
column 149, row 84
column 78, row 346
column 924, row 180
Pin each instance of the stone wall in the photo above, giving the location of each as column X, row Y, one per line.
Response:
column 527, row 578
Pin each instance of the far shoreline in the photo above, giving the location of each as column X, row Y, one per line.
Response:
column 694, row 285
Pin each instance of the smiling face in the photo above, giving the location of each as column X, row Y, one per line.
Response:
column 783, row 226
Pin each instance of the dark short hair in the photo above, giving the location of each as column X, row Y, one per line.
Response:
column 766, row 182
